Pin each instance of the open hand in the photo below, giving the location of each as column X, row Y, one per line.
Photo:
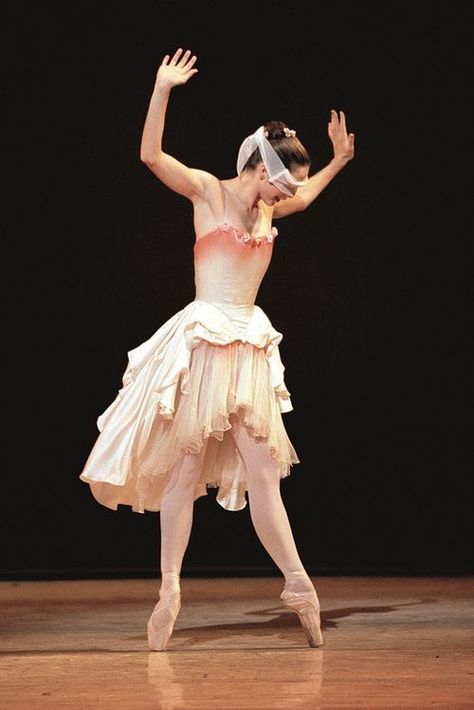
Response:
column 177, row 70
column 342, row 142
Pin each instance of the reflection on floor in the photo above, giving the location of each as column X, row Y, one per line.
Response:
column 389, row 642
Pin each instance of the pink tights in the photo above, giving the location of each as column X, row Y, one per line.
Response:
column 267, row 512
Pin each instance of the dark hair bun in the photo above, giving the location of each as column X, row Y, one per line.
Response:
column 276, row 129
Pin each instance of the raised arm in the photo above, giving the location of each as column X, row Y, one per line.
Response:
column 174, row 174
column 343, row 146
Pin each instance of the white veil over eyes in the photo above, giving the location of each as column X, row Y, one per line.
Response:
column 278, row 174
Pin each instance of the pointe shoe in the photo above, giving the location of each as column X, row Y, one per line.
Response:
column 306, row 605
column 161, row 622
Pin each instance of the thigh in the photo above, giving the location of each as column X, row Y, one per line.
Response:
column 256, row 454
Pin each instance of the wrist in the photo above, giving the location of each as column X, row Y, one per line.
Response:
column 338, row 162
column 162, row 87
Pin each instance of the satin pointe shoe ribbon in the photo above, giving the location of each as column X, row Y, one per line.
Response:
column 161, row 622
column 306, row 605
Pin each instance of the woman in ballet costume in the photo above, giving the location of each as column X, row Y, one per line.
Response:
column 202, row 399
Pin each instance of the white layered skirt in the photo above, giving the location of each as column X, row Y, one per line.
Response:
column 180, row 389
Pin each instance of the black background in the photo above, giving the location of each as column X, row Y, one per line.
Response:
column 370, row 286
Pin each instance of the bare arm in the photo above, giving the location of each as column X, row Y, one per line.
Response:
column 343, row 145
column 174, row 174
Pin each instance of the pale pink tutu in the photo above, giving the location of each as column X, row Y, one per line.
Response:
column 180, row 390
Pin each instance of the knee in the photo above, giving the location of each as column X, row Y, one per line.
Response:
column 266, row 478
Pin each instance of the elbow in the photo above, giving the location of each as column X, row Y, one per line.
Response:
column 149, row 159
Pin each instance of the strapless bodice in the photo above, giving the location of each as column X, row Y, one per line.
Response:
column 229, row 265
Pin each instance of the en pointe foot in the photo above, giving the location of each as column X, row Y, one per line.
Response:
column 306, row 605
column 161, row 622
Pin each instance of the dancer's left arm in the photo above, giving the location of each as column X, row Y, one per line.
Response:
column 343, row 146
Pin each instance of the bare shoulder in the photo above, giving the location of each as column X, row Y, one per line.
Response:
column 205, row 180
column 208, row 203
column 210, row 188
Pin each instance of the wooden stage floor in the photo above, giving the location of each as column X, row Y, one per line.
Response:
column 389, row 642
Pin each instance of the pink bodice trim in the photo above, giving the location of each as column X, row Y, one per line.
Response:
column 244, row 236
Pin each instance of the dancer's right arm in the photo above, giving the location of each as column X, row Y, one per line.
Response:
column 189, row 182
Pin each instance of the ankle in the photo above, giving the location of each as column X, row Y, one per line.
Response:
column 170, row 581
column 298, row 581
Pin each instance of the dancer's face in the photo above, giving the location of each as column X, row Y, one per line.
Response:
column 271, row 194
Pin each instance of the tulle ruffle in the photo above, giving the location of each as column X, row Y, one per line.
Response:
column 180, row 390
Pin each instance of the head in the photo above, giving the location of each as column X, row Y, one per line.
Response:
column 277, row 158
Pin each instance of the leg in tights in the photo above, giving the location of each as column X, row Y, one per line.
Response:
column 176, row 515
column 267, row 510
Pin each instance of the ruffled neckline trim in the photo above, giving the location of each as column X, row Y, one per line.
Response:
column 243, row 235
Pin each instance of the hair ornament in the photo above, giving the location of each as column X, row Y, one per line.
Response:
column 289, row 133
column 278, row 173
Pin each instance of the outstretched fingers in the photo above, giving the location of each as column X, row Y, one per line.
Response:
column 338, row 123
column 192, row 62
column 343, row 121
column 181, row 60
column 176, row 56
column 179, row 69
column 334, row 122
column 343, row 142
column 184, row 58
